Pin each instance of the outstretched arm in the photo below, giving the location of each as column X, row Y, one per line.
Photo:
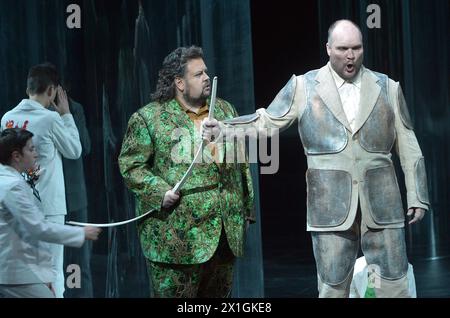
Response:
column 19, row 202
column 287, row 106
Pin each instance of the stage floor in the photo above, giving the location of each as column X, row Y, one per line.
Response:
column 291, row 272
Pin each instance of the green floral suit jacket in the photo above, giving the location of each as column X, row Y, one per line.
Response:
column 215, row 195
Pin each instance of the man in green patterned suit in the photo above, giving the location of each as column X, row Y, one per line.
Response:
column 190, row 242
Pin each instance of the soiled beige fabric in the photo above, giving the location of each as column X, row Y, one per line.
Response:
column 354, row 160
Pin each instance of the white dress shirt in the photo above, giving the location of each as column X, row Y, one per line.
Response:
column 54, row 136
column 349, row 92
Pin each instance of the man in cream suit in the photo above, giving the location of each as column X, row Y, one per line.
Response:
column 55, row 135
column 349, row 119
column 26, row 268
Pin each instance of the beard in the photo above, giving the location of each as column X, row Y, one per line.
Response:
column 196, row 101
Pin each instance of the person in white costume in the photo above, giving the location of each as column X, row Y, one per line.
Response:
column 350, row 121
column 26, row 268
column 55, row 135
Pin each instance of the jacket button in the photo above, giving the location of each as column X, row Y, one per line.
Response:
column 355, row 182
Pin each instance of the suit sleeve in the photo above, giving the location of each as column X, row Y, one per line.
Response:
column 247, row 184
column 409, row 152
column 281, row 113
column 19, row 202
column 65, row 136
column 135, row 163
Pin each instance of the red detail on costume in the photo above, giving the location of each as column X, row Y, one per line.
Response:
column 10, row 124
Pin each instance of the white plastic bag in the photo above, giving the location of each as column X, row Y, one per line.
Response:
column 360, row 280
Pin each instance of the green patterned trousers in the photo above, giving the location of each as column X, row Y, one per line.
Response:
column 210, row 279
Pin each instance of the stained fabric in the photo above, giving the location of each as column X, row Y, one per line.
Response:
column 400, row 48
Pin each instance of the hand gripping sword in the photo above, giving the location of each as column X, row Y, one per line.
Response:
column 180, row 184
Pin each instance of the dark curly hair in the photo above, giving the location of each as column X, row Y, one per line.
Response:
column 174, row 65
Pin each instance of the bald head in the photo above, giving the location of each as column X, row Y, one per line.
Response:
column 345, row 48
column 342, row 28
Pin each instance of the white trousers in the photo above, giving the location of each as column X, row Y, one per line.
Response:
column 57, row 251
column 26, row 291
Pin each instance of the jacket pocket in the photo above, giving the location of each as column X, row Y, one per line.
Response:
column 329, row 195
column 383, row 195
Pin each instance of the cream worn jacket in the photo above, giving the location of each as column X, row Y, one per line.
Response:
column 345, row 165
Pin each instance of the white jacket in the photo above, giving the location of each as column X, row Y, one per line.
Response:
column 54, row 135
column 25, row 258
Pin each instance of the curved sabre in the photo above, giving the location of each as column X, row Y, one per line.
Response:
column 111, row 224
column 179, row 185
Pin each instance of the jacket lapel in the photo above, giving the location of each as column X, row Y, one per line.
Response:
column 327, row 90
column 219, row 114
column 370, row 90
column 180, row 119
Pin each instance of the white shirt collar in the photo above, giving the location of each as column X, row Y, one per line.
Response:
column 340, row 81
column 10, row 170
column 32, row 103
